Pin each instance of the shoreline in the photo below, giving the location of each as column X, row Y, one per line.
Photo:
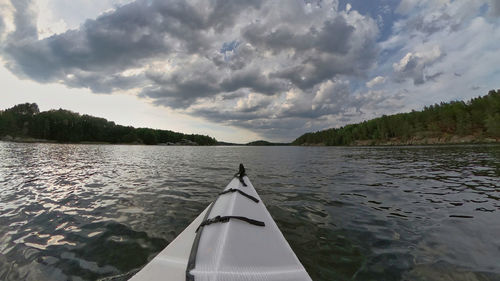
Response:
column 444, row 140
column 364, row 143
column 33, row 140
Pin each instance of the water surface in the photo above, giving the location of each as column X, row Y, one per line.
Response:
column 87, row 212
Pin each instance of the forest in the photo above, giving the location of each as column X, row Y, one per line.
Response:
column 26, row 121
column 478, row 118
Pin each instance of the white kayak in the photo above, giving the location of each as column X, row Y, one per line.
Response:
column 233, row 239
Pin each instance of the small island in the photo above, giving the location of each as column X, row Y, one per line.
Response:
column 265, row 143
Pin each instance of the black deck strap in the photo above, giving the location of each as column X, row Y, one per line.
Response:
column 194, row 249
column 242, row 193
column 240, row 174
column 225, row 219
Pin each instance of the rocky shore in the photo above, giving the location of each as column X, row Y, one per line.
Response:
column 9, row 138
column 441, row 140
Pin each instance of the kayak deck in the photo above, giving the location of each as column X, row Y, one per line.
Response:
column 234, row 238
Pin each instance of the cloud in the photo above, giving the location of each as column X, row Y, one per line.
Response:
column 252, row 79
column 274, row 67
column 424, row 18
column 328, row 98
column 405, row 6
column 107, row 45
column 286, row 116
column 375, row 81
column 224, row 13
column 465, row 56
column 433, row 77
column 413, row 66
column 332, row 37
column 234, row 55
column 348, row 7
column 7, row 12
column 24, row 16
column 137, row 33
column 190, row 54
column 130, row 36
column 181, row 86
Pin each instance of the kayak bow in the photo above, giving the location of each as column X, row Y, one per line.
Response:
column 233, row 239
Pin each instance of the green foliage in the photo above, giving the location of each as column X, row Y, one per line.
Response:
column 15, row 121
column 493, row 125
column 25, row 120
column 148, row 136
column 479, row 116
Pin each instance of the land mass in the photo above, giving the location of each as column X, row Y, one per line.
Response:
column 25, row 123
column 265, row 143
column 254, row 143
column 473, row 121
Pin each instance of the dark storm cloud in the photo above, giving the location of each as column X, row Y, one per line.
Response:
column 24, row 20
column 233, row 95
column 142, row 30
column 277, row 40
column 182, row 88
column 322, row 54
column 110, row 43
column 243, row 55
column 225, row 13
column 333, row 37
column 114, row 41
column 254, row 80
column 103, row 84
column 318, row 68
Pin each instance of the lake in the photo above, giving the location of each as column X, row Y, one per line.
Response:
column 87, row 212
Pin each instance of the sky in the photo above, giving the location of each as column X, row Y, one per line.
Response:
column 243, row 70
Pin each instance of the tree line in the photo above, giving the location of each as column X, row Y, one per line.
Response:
column 479, row 117
column 26, row 121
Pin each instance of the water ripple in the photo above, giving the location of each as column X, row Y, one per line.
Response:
column 87, row 212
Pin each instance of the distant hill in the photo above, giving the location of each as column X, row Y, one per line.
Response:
column 227, row 143
column 265, row 143
column 477, row 120
column 26, row 122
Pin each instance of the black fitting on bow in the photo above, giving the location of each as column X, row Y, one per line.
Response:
column 241, row 173
column 242, row 170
